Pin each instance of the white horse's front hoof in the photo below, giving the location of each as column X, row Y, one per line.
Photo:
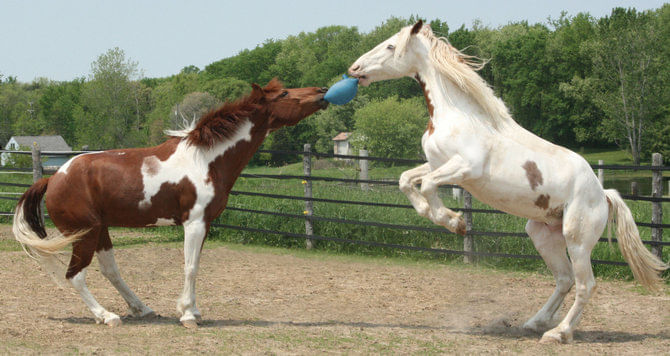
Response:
column 113, row 320
column 554, row 336
column 457, row 225
column 189, row 323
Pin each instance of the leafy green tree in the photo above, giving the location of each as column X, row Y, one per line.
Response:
column 392, row 127
column 575, row 111
column 192, row 108
column 312, row 59
column 19, row 104
column 113, row 103
column 57, row 106
column 252, row 66
column 227, row 89
column 627, row 81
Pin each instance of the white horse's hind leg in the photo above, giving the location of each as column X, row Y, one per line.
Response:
column 582, row 226
column 194, row 235
column 101, row 315
column 452, row 172
column 550, row 243
column 110, row 270
column 407, row 183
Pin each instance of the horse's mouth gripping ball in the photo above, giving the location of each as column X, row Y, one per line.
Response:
column 343, row 91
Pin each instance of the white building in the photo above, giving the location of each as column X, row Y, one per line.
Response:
column 45, row 143
column 341, row 144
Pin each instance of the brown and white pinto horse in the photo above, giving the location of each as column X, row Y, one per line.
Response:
column 184, row 181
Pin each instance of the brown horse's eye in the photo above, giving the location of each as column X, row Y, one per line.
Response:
column 285, row 93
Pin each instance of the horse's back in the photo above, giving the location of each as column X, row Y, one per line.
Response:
column 104, row 188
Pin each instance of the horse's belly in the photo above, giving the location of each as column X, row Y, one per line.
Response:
column 516, row 200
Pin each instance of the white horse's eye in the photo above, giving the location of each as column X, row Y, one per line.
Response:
column 391, row 47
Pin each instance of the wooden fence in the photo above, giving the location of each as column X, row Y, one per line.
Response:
column 468, row 252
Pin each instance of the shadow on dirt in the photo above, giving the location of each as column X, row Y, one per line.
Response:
column 497, row 329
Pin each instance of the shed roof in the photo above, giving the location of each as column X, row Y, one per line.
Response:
column 342, row 136
column 46, row 143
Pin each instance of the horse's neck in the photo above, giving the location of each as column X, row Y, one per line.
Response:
column 451, row 103
column 227, row 158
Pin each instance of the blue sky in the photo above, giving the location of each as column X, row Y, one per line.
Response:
column 60, row 39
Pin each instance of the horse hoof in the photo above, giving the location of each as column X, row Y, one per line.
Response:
column 556, row 338
column 150, row 314
column 189, row 324
column 113, row 322
column 534, row 327
column 146, row 312
column 461, row 229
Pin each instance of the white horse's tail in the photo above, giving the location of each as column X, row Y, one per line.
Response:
column 29, row 231
column 646, row 267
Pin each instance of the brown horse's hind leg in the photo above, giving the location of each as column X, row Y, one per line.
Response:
column 109, row 269
column 82, row 254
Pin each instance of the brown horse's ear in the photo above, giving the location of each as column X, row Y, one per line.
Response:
column 417, row 27
column 273, row 85
column 257, row 93
column 256, row 88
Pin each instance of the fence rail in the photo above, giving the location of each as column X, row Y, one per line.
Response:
column 469, row 250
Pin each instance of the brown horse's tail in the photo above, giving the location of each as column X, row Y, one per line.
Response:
column 646, row 266
column 29, row 228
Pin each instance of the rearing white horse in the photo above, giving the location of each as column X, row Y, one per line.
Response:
column 472, row 141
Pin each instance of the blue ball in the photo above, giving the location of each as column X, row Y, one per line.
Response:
column 343, row 91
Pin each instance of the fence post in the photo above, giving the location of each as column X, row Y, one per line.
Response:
column 363, row 164
column 37, row 171
column 457, row 193
column 601, row 173
column 657, row 207
column 37, row 162
column 309, row 204
column 468, row 240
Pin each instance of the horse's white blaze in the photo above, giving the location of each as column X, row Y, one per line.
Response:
column 188, row 162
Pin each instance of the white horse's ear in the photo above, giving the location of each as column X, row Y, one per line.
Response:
column 417, row 27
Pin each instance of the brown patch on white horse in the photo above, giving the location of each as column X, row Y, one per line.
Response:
column 184, row 181
column 542, row 201
column 429, row 104
column 555, row 213
column 533, row 174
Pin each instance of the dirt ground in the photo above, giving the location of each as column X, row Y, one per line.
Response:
column 271, row 301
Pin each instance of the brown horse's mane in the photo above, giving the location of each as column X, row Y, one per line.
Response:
column 222, row 123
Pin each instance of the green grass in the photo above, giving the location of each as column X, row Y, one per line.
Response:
column 381, row 194
column 608, row 155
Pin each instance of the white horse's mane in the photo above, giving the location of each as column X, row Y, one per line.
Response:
column 461, row 69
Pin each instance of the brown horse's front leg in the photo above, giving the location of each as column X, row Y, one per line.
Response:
column 194, row 236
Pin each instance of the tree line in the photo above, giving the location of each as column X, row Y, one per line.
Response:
column 576, row 81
